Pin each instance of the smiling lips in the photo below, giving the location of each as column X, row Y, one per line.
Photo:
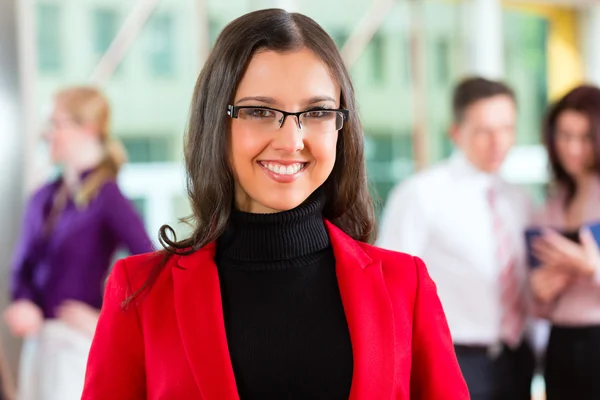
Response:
column 283, row 172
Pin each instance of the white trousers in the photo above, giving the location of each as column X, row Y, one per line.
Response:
column 53, row 363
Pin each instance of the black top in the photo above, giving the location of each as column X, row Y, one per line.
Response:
column 286, row 328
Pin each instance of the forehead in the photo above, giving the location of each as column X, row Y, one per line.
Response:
column 573, row 121
column 60, row 111
column 288, row 77
column 496, row 110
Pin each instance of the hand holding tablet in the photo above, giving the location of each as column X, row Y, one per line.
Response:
column 564, row 249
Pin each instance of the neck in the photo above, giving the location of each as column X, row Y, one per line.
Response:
column 582, row 183
column 86, row 160
column 276, row 237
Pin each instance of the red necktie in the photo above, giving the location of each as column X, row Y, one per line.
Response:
column 512, row 295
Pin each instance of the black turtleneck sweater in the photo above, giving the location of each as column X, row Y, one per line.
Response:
column 286, row 328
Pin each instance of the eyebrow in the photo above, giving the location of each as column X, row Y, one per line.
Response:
column 271, row 101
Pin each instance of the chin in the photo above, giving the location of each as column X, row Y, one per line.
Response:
column 493, row 167
column 576, row 172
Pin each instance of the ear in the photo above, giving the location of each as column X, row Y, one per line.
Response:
column 454, row 133
column 89, row 130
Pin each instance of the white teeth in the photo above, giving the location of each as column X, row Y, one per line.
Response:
column 282, row 169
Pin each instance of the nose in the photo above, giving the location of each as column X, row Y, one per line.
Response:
column 575, row 147
column 289, row 138
column 501, row 138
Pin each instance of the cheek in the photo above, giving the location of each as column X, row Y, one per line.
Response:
column 509, row 139
column 563, row 151
column 478, row 144
column 57, row 143
column 590, row 156
column 245, row 147
column 323, row 150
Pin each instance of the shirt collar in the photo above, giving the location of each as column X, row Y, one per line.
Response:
column 463, row 169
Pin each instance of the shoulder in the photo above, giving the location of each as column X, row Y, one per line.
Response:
column 138, row 268
column 386, row 256
column 388, row 259
column 428, row 178
column 43, row 192
column 398, row 268
column 38, row 199
column 422, row 183
column 110, row 190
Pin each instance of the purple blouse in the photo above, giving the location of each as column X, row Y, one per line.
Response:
column 72, row 262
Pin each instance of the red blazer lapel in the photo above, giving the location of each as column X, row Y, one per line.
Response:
column 370, row 318
column 200, row 317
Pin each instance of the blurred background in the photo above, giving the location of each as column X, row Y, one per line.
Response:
column 404, row 56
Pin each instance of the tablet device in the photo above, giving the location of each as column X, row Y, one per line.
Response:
column 532, row 233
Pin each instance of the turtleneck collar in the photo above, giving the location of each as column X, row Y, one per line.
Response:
column 273, row 238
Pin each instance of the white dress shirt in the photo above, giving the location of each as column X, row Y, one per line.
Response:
column 443, row 216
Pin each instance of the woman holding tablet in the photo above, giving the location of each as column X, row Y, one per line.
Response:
column 566, row 286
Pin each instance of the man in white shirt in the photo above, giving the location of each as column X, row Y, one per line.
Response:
column 467, row 224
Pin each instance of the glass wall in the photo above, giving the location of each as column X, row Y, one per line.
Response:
column 526, row 54
column 526, row 42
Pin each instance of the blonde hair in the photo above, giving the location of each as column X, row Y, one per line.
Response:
column 88, row 106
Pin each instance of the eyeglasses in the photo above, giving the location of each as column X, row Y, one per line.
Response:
column 319, row 120
column 53, row 124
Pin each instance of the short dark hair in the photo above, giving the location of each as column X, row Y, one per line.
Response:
column 473, row 89
column 584, row 99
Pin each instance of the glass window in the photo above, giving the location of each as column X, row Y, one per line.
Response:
column 214, row 28
column 49, row 46
column 526, row 37
column 339, row 37
column 140, row 204
column 148, row 149
column 405, row 68
column 442, row 47
column 105, row 28
column 378, row 59
column 161, row 45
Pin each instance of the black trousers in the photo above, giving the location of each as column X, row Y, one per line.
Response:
column 505, row 376
column 572, row 362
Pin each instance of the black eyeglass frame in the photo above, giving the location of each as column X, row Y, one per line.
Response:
column 233, row 112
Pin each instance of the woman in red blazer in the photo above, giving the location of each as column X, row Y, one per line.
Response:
column 277, row 293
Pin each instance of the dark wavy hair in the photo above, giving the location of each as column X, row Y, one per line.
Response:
column 210, row 179
column 584, row 99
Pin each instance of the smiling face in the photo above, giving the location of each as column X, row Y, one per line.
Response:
column 278, row 169
column 574, row 143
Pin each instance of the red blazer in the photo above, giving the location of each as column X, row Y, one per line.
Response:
column 171, row 344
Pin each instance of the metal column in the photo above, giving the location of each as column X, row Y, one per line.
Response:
column 591, row 36
column 484, row 36
column 12, row 164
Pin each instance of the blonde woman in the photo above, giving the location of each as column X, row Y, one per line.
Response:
column 71, row 230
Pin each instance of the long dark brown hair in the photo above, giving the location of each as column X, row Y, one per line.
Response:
column 210, row 179
column 584, row 99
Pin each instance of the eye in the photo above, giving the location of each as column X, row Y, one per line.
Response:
column 319, row 114
column 257, row 113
